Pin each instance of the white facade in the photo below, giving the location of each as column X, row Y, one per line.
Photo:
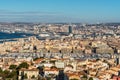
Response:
column 60, row 64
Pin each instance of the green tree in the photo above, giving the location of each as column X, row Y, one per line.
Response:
column 48, row 78
column 6, row 72
column 25, row 76
column 1, row 70
column 13, row 67
column 8, row 75
column 90, row 78
column 23, row 65
column 84, row 77
column 12, row 75
column 33, row 76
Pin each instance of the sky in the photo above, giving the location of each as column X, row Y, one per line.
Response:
column 45, row 11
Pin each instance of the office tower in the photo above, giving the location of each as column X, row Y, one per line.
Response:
column 70, row 29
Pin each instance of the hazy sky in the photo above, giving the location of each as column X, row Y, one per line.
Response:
column 60, row 10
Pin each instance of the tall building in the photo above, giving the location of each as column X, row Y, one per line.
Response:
column 70, row 29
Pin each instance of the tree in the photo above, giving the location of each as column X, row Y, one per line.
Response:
column 9, row 75
column 84, row 77
column 25, row 76
column 13, row 67
column 33, row 76
column 90, row 78
column 23, row 65
column 1, row 70
column 6, row 72
column 12, row 75
column 48, row 78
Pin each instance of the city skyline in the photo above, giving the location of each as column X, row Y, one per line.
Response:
column 87, row 11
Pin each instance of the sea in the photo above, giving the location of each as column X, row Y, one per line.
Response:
column 4, row 35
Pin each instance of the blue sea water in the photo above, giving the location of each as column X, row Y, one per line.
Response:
column 13, row 35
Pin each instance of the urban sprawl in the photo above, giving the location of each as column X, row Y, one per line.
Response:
column 60, row 51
